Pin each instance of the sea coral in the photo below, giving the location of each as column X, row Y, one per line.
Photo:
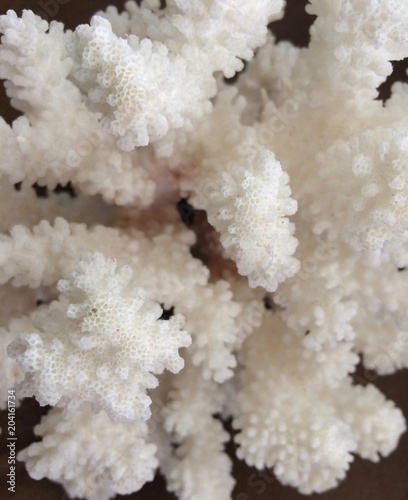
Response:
column 144, row 334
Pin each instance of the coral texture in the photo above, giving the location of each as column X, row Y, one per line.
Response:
column 145, row 326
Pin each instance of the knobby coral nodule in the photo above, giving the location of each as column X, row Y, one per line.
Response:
column 142, row 332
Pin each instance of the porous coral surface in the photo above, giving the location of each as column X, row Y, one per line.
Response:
column 282, row 268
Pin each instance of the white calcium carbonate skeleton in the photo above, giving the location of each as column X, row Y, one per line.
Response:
column 141, row 331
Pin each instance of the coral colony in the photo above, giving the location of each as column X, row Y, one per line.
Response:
column 144, row 333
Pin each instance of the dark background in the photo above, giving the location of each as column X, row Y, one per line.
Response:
column 365, row 481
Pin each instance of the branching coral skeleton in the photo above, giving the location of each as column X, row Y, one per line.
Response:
column 308, row 214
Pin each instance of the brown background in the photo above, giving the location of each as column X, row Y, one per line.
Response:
column 365, row 481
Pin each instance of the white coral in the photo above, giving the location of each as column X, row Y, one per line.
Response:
column 246, row 194
column 309, row 417
column 199, row 468
column 101, row 342
column 92, row 456
column 57, row 139
column 146, row 87
column 301, row 172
